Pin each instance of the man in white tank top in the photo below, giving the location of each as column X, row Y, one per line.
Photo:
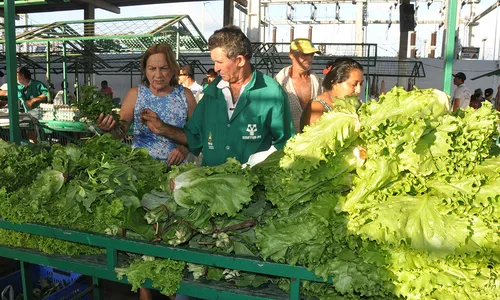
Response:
column 297, row 80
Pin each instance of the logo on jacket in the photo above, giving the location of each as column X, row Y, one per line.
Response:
column 251, row 129
column 210, row 144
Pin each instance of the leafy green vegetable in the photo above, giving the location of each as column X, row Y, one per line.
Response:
column 94, row 102
column 225, row 189
column 165, row 274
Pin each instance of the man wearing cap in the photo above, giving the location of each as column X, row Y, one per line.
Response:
column 297, row 80
column 461, row 96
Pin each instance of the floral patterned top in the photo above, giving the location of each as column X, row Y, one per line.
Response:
column 172, row 109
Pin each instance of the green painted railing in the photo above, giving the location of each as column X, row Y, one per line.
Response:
column 106, row 269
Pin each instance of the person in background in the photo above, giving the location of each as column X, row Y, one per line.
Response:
column 242, row 112
column 211, row 75
column 476, row 99
column 462, row 94
column 52, row 92
column 186, row 78
column 106, row 89
column 31, row 92
column 3, row 94
column 159, row 92
column 345, row 78
column 297, row 80
column 59, row 97
column 488, row 96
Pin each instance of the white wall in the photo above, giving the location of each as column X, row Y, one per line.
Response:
column 471, row 68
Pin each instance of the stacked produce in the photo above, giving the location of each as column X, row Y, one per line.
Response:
column 420, row 220
column 96, row 188
column 394, row 199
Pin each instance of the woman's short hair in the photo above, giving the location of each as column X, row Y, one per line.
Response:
column 169, row 57
column 232, row 40
column 340, row 72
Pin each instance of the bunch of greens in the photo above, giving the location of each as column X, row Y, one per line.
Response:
column 165, row 274
column 92, row 188
column 94, row 102
column 419, row 220
column 20, row 165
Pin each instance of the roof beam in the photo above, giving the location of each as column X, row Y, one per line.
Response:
column 243, row 3
column 2, row 14
column 103, row 5
column 485, row 12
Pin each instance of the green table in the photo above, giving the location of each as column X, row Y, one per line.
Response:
column 104, row 267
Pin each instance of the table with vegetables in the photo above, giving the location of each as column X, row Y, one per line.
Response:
column 396, row 198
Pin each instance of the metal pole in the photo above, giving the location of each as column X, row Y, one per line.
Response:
column 484, row 46
column 47, row 73
column 65, row 74
column 403, row 51
column 10, row 50
column 449, row 48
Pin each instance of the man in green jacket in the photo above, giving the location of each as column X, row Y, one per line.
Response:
column 31, row 92
column 241, row 113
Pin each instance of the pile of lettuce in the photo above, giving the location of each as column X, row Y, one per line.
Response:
column 419, row 218
column 90, row 188
column 396, row 198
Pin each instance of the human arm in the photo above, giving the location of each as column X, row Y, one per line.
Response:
column 456, row 103
column 36, row 95
column 180, row 152
column 312, row 112
column 157, row 126
column 31, row 103
column 281, row 122
column 120, row 129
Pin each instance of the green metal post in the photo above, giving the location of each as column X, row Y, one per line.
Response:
column 111, row 258
column 294, row 289
column 47, row 74
column 10, row 50
column 449, row 55
column 65, row 74
column 27, row 280
column 97, row 291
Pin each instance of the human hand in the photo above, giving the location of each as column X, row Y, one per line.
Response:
column 176, row 157
column 106, row 122
column 29, row 103
column 151, row 120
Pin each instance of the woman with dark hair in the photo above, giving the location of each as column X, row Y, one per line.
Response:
column 345, row 78
column 160, row 92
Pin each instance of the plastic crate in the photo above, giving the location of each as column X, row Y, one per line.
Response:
column 70, row 282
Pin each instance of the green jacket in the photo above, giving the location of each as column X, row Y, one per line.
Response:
column 261, row 118
column 34, row 89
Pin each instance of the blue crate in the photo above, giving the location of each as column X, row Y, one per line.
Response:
column 68, row 281
column 14, row 280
